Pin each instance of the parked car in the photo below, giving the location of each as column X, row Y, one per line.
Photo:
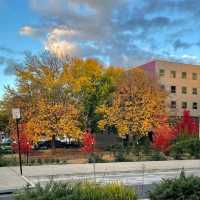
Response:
column 48, row 144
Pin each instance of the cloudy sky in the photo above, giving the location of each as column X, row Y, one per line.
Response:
column 118, row 32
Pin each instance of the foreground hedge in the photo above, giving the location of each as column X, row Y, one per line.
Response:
column 77, row 191
column 182, row 188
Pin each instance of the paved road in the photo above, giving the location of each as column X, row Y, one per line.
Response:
column 5, row 197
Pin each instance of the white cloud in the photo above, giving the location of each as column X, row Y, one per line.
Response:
column 61, row 48
column 27, row 31
column 190, row 59
column 31, row 31
column 57, row 42
column 62, row 32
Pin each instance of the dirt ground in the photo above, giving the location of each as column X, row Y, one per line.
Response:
column 73, row 156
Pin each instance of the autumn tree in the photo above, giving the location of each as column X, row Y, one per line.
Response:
column 136, row 105
column 44, row 97
column 4, row 119
column 91, row 85
column 59, row 97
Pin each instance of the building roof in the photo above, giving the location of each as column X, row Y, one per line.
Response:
column 174, row 62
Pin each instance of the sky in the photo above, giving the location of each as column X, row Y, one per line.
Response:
column 117, row 32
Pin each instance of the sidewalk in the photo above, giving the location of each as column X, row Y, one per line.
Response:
column 49, row 170
column 10, row 180
column 10, row 177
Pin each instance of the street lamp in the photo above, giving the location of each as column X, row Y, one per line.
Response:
column 16, row 116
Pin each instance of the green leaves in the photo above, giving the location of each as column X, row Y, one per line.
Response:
column 182, row 188
column 78, row 191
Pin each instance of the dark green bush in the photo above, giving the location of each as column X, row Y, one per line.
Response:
column 186, row 149
column 39, row 160
column 3, row 162
column 157, row 156
column 77, row 191
column 182, row 188
column 120, row 156
column 95, row 158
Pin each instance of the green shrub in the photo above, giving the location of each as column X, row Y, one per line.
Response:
column 186, row 149
column 95, row 158
column 120, row 156
column 156, row 156
column 39, row 160
column 77, row 191
column 46, row 160
column 186, row 188
column 3, row 162
column 32, row 161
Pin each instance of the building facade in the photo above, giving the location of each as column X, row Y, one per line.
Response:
column 181, row 81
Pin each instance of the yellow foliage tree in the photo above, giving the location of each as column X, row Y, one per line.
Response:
column 54, row 119
column 136, row 106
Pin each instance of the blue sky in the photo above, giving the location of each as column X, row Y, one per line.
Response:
column 118, row 32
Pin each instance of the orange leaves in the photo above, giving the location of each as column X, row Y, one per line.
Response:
column 163, row 135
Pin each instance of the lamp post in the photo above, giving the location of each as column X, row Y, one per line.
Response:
column 16, row 116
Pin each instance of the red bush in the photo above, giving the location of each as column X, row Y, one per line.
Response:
column 163, row 137
column 88, row 142
column 187, row 126
column 25, row 144
column 165, row 134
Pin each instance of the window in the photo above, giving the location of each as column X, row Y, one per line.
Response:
column 184, row 90
column 194, row 76
column 184, row 75
column 184, row 105
column 173, row 74
column 194, row 91
column 173, row 89
column 173, row 104
column 162, row 72
column 194, row 105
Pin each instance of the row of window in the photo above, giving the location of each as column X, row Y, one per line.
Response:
column 183, row 74
column 184, row 105
column 184, row 90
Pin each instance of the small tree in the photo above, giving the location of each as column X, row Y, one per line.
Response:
column 24, row 141
column 165, row 135
column 187, row 126
column 88, row 147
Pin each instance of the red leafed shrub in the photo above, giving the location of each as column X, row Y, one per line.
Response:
column 25, row 144
column 88, row 142
column 187, row 126
column 164, row 135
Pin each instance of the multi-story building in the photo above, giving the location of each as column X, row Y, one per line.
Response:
column 181, row 81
